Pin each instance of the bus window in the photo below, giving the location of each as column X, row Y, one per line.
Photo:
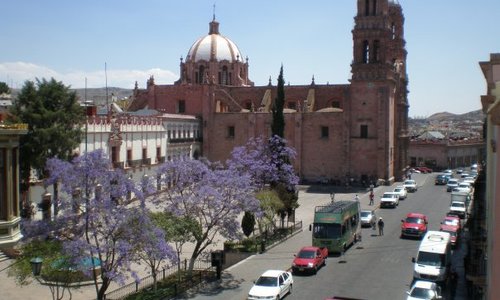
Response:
column 327, row 231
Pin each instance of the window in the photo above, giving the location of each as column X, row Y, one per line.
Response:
column 367, row 7
column 292, row 105
column 158, row 153
column 114, row 154
column 376, row 51
column 230, row 132
column 366, row 52
column 393, row 29
column 374, row 11
column 363, row 131
column 335, row 104
column 168, row 134
column 201, row 74
column 181, row 107
column 129, row 154
column 144, row 153
column 223, row 76
column 324, row 132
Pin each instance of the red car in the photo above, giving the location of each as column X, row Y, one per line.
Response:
column 414, row 225
column 424, row 169
column 452, row 225
column 309, row 259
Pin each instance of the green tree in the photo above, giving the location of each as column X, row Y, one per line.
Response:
column 178, row 229
column 248, row 223
column 278, row 124
column 4, row 88
column 54, row 120
column 270, row 205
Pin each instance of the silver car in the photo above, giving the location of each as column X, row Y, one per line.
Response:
column 368, row 218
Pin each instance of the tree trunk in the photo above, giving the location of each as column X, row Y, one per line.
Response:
column 56, row 199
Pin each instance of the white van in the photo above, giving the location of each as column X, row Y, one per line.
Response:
column 433, row 260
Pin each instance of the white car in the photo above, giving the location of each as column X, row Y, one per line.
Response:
column 452, row 183
column 458, row 208
column 390, row 199
column 410, row 185
column 424, row 290
column 401, row 190
column 463, row 187
column 273, row 284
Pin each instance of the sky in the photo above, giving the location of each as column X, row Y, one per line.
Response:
column 83, row 41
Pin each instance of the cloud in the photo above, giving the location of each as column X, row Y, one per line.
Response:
column 16, row 73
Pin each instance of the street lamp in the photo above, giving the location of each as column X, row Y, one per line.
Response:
column 332, row 197
column 36, row 266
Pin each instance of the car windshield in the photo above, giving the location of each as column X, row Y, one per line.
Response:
column 398, row 190
column 451, row 181
column 267, row 281
column 450, row 222
column 327, row 231
column 452, row 233
column 409, row 182
column 387, row 195
column 365, row 214
column 306, row 254
column 414, row 220
column 431, row 259
column 421, row 293
column 457, row 204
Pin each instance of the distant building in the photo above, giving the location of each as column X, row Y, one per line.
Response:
column 340, row 131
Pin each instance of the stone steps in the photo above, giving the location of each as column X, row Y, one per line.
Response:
column 3, row 257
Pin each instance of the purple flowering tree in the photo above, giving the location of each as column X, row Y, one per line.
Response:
column 212, row 196
column 269, row 163
column 97, row 221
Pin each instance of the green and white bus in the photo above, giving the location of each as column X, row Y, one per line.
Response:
column 336, row 226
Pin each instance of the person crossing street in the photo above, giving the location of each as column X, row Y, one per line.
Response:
column 380, row 224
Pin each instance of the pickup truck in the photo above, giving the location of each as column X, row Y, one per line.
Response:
column 309, row 259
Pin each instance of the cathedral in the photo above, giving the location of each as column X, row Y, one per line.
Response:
column 356, row 131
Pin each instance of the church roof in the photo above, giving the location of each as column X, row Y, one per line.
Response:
column 214, row 46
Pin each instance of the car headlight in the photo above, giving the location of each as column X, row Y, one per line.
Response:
column 310, row 265
column 294, row 264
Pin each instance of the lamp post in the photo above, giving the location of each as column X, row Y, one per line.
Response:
column 332, row 197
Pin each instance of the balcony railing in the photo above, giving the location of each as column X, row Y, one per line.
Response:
column 146, row 161
column 118, row 164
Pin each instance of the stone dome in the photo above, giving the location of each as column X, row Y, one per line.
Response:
column 214, row 47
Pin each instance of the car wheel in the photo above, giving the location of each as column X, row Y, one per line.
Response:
column 315, row 270
column 290, row 289
column 324, row 262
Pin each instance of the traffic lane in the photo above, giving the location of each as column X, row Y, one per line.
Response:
column 380, row 267
column 376, row 268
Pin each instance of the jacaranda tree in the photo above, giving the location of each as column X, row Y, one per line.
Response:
column 97, row 220
column 213, row 196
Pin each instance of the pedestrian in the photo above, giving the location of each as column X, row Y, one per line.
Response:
column 356, row 198
column 380, row 226
column 371, row 198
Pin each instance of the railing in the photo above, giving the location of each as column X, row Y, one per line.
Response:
column 146, row 161
column 148, row 281
column 118, row 164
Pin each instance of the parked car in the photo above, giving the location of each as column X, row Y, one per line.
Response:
column 463, row 187
column 272, row 284
column 452, row 221
column 453, row 231
column 424, row 169
column 441, row 179
column 401, row 190
column 448, row 172
column 309, row 259
column 389, row 199
column 458, row 208
column 452, row 183
column 368, row 218
column 424, row 290
column 414, row 225
column 410, row 185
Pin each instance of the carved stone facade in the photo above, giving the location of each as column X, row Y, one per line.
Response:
column 356, row 130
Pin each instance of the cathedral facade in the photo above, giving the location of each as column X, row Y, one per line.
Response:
column 356, row 130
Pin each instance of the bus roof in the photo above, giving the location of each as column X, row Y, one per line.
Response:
column 435, row 242
column 335, row 212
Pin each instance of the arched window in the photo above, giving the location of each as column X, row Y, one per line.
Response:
column 366, row 52
column 393, row 30
column 374, row 11
column 367, row 7
column 201, row 74
column 224, row 76
column 335, row 104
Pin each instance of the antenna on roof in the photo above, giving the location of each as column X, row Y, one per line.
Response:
column 214, row 11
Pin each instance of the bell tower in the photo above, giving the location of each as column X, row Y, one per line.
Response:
column 379, row 107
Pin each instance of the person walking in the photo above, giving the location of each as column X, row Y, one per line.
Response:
column 371, row 197
column 380, row 224
column 356, row 198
